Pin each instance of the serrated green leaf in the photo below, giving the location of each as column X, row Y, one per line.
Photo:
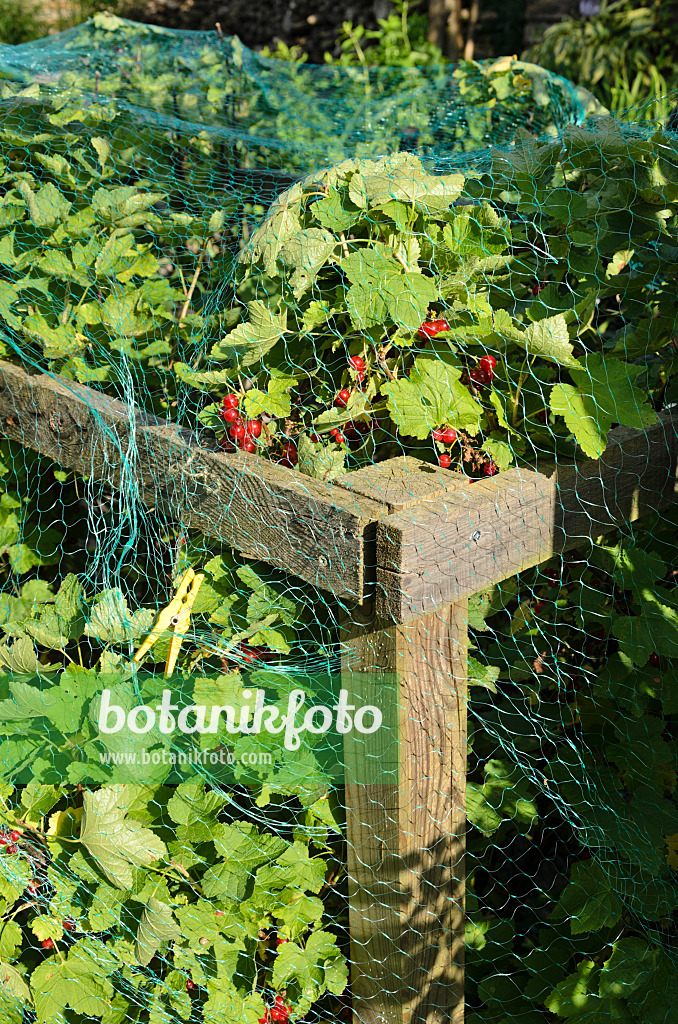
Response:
column 408, row 297
column 589, row 901
column 275, row 401
column 550, row 339
column 47, row 928
column 157, row 926
column 112, row 622
column 249, row 342
column 603, row 393
column 323, row 462
column 46, row 206
column 431, row 397
column 116, row 842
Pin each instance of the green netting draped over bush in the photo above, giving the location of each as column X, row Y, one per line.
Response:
column 303, row 273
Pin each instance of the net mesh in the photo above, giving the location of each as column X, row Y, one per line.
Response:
column 327, row 391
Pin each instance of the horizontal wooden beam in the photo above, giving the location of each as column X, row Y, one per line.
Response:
column 312, row 529
column 442, row 550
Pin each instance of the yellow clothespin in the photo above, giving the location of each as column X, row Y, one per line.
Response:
column 176, row 617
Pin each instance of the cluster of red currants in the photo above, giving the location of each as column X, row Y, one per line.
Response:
column 357, row 363
column 9, row 840
column 289, row 454
column 483, row 373
column 242, row 431
column 352, row 432
column 445, row 435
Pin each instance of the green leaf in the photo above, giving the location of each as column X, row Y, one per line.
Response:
column 46, row 206
column 103, row 150
column 47, row 928
column 500, row 452
column 21, row 658
column 331, row 213
column 550, row 339
column 408, row 297
column 631, row 965
column 112, row 256
column 366, row 305
column 504, row 794
column 14, row 989
column 116, row 842
column 323, row 462
column 112, row 622
column 157, row 925
column 573, row 995
column 249, row 342
column 589, row 901
column 482, row 675
column 11, row 939
column 79, row 981
column 307, row 250
column 276, row 401
column 603, row 393
column 205, row 380
column 431, row 397
column 241, row 849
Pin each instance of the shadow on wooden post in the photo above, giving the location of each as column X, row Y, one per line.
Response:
column 406, row 836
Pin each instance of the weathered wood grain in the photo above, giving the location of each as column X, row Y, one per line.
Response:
column 312, row 529
column 439, row 551
column 401, row 482
column 405, row 831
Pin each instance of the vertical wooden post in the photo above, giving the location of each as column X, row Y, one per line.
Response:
column 406, row 836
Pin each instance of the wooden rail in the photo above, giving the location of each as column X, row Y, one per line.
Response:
column 407, row 544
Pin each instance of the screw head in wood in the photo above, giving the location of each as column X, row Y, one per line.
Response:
column 476, row 536
column 322, row 560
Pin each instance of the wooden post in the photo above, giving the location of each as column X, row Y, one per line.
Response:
column 406, row 836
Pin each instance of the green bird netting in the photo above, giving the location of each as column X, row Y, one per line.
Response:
column 339, row 654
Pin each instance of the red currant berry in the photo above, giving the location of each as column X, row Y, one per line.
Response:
column 655, row 660
column 249, row 446
column 334, row 431
column 490, row 468
column 231, row 401
column 12, row 848
column 289, row 457
column 479, row 376
column 32, row 889
column 450, row 435
column 430, row 328
column 363, row 427
column 316, row 438
column 69, row 924
column 488, row 364
column 445, row 461
column 230, row 414
column 225, row 444
column 4, row 840
column 237, row 432
column 357, row 363
column 538, row 287
column 437, row 435
column 342, row 397
column 280, row 1014
column 253, row 428
column 281, row 941
column 15, row 835
column 339, row 438
column 190, row 986
column 48, row 943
